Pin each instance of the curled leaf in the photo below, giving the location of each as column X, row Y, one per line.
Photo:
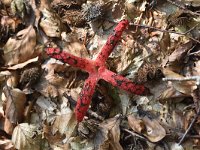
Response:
column 20, row 48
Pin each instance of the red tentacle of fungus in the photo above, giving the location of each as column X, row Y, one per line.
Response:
column 97, row 70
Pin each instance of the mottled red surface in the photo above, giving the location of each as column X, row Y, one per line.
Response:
column 97, row 70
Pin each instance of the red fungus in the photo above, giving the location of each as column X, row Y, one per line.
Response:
column 97, row 70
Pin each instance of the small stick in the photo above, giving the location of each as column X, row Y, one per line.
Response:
column 182, row 7
column 135, row 134
column 190, row 126
column 162, row 30
column 195, row 78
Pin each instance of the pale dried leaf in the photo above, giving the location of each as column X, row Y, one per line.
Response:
column 6, row 144
column 10, row 22
column 65, row 122
column 110, row 133
column 13, row 79
column 129, row 64
column 136, row 123
column 180, row 52
column 21, row 65
column 46, row 104
column 154, row 131
column 20, row 48
column 51, row 23
column 20, row 7
column 26, row 136
column 8, row 126
column 78, row 143
column 15, row 104
column 74, row 43
column 3, row 75
column 125, row 99
column 47, row 109
column 196, row 69
column 185, row 87
column 176, row 146
column 171, row 93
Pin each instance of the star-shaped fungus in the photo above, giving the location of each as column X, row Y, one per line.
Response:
column 97, row 70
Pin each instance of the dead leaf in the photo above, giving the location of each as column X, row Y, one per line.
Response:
column 185, row 87
column 13, row 79
column 46, row 104
column 22, row 65
column 6, row 144
column 176, row 59
column 196, row 69
column 125, row 102
column 27, row 136
column 52, row 138
column 165, row 42
column 180, row 52
column 136, row 124
column 20, row 48
column 150, row 128
column 11, row 23
column 15, row 104
column 171, row 94
column 108, row 134
column 77, row 143
column 65, row 122
column 176, row 146
column 20, row 7
column 51, row 23
column 154, row 131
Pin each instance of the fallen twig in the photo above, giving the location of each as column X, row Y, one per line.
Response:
column 163, row 30
column 195, row 78
column 183, row 8
column 190, row 126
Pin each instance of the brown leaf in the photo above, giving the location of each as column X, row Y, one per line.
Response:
column 26, row 136
column 20, row 48
column 65, row 122
column 154, row 131
column 177, row 57
column 52, row 138
column 22, row 65
column 74, row 43
column 11, row 23
column 51, row 24
column 8, row 126
column 171, row 94
column 13, row 79
column 15, row 104
column 109, row 133
column 136, row 124
column 148, row 127
column 165, row 42
column 6, row 144
column 185, row 87
column 196, row 68
column 180, row 52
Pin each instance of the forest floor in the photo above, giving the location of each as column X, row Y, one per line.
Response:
column 100, row 75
